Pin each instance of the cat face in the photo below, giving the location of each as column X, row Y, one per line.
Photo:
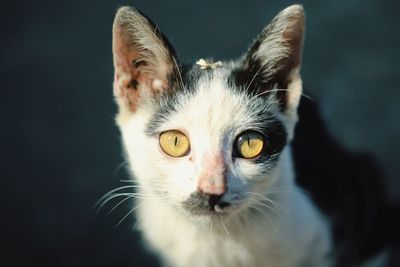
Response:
column 206, row 139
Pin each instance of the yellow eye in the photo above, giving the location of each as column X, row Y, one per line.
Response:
column 174, row 143
column 249, row 145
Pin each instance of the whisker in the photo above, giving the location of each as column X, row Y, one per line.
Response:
column 263, row 198
column 264, row 215
column 119, row 167
column 129, row 195
column 119, row 189
column 101, row 204
column 130, row 212
column 119, row 203
column 224, row 226
column 263, row 204
column 278, row 206
column 112, row 191
column 252, row 79
column 179, row 72
column 280, row 90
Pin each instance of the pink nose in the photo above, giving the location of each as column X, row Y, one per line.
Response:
column 214, row 185
column 212, row 180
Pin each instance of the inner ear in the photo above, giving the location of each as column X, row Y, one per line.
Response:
column 272, row 64
column 144, row 60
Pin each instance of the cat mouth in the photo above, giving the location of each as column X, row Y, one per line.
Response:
column 219, row 208
column 208, row 213
column 202, row 204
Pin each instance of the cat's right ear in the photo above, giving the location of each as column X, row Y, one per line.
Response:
column 144, row 60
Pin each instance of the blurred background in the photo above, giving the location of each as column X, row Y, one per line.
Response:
column 61, row 150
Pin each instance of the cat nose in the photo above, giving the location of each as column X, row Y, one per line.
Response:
column 212, row 180
column 212, row 185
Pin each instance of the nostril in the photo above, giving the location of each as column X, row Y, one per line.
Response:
column 215, row 203
column 214, row 200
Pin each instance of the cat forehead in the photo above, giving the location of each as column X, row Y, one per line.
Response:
column 208, row 99
column 214, row 103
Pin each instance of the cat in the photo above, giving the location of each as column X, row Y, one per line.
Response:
column 210, row 148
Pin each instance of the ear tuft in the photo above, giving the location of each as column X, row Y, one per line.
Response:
column 143, row 58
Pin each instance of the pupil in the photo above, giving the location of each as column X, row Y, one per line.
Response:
column 248, row 141
column 176, row 140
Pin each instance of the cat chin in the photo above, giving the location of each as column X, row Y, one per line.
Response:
column 209, row 222
column 211, row 218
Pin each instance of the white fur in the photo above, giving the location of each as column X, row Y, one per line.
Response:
column 294, row 92
column 289, row 233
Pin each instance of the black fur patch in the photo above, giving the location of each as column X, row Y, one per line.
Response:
column 275, row 137
column 198, row 202
column 347, row 187
column 275, row 141
column 167, row 102
column 249, row 78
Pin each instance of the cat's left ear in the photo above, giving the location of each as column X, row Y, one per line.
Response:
column 144, row 60
column 272, row 65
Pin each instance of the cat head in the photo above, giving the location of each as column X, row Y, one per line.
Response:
column 209, row 138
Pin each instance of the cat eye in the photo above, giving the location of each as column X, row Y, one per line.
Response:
column 174, row 143
column 249, row 144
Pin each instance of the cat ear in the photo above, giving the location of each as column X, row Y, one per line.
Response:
column 273, row 62
column 144, row 60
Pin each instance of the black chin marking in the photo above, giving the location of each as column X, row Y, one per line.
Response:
column 199, row 202
column 213, row 200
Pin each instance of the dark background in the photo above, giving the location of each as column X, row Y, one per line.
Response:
column 61, row 150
